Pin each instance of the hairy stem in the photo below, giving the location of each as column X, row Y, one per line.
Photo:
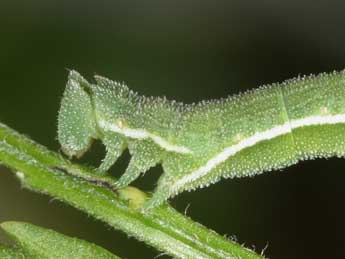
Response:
column 163, row 228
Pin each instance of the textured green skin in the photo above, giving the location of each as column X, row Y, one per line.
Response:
column 205, row 128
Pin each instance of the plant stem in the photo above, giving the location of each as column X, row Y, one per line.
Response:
column 163, row 228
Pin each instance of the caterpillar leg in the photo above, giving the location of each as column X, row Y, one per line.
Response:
column 173, row 165
column 145, row 154
column 115, row 145
column 165, row 189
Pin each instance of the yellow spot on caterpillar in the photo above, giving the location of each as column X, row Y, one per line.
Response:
column 324, row 110
column 133, row 196
column 238, row 137
column 119, row 123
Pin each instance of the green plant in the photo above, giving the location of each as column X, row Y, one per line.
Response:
column 36, row 242
column 163, row 228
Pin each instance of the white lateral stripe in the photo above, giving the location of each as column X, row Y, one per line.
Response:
column 318, row 120
column 257, row 137
column 143, row 134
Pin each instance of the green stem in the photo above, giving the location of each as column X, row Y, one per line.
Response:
column 163, row 228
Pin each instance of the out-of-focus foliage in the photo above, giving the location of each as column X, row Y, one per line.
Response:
column 39, row 243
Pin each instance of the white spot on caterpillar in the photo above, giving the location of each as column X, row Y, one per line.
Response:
column 252, row 140
column 143, row 134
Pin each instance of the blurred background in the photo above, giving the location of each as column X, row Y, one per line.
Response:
column 188, row 51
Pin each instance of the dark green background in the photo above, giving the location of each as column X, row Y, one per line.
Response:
column 189, row 51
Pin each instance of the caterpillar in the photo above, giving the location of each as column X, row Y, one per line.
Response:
column 261, row 130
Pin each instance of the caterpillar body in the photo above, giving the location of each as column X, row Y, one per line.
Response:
column 261, row 130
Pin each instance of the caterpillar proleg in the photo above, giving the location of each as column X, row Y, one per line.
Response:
column 261, row 130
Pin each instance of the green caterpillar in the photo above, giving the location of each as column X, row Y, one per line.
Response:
column 198, row 144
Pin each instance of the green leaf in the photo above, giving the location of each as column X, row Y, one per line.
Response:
column 48, row 244
column 7, row 252
column 163, row 228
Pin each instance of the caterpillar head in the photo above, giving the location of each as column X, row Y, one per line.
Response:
column 85, row 106
column 76, row 119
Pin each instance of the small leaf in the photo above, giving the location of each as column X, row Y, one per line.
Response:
column 45, row 243
column 8, row 252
